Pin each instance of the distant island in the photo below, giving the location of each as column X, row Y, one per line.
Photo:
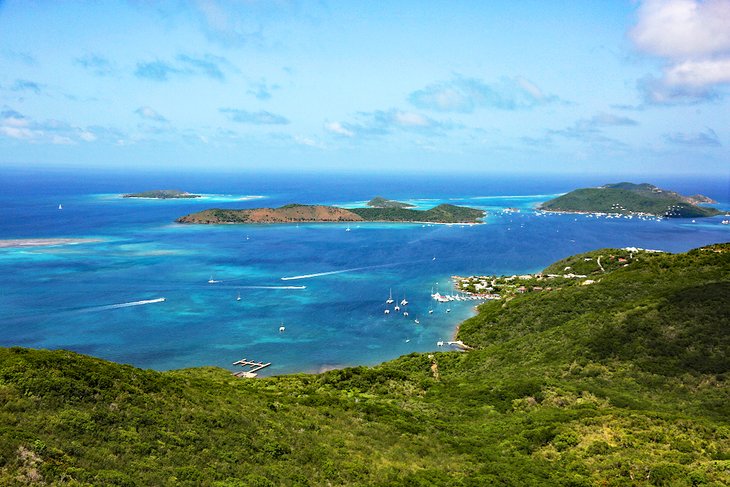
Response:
column 380, row 202
column 296, row 213
column 629, row 199
column 162, row 194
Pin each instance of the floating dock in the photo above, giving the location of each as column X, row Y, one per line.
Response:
column 254, row 365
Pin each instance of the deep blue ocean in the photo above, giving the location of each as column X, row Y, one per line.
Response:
column 86, row 296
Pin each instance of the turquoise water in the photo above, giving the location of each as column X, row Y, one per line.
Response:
column 100, row 297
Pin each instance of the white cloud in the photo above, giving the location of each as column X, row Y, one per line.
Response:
column 681, row 29
column 150, row 113
column 337, row 128
column 410, row 119
column 699, row 73
column 693, row 38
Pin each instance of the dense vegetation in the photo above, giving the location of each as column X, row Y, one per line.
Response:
column 318, row 213
column 440, row 214
column 162, row 194
column 380, row 202
column 623, row 382
column 628, row 199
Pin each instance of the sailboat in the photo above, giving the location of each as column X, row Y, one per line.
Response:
column 238, row 298
column 404, row 302
column 390, row 297
column 60, row 207
column 348, row 228
column 211, row 280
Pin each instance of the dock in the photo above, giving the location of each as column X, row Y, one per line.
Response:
column 254, row 365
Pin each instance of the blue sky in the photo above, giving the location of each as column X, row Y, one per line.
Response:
column 619, row 87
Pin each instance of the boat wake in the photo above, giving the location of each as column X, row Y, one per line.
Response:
column 124, row 305
column 271, row 287
column 341, row 271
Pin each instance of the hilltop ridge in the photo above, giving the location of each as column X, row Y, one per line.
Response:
column 629, row 198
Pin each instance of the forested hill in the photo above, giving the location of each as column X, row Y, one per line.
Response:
column 629, row 198
column 618, row 382
column 295, row 213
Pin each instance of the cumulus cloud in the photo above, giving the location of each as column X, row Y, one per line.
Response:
column 338, row 129
column 25, row 85
column 95, row 64
column 708, row 138
column 149, row 113
column 183, row 65
column 15, row 125
column 383, row 122
column 256, row 118
column 465, row 95
column 592, row 128
column 693, row 39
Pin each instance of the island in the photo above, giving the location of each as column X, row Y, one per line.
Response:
column 297, row 213
column 162, row 194
column 631, row 199
column 380, row 202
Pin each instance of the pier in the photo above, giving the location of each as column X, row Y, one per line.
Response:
column 252, row 372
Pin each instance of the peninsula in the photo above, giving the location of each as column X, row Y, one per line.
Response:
column 631, row 199
column 296, row 213
column 162, row 194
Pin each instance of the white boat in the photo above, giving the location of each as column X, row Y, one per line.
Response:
column 390, row 297
column 60, row 207
column 238, row 298
column 448, row 310
column 211, row 280
column 348, row 228
column 404, row 302
column 430, row 311
column 397, row 308
column 282, row 328
column 416, row 321
column 387, row 312
column 405, row 313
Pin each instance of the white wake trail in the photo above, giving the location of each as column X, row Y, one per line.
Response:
column 341, row 271
column 126, row 305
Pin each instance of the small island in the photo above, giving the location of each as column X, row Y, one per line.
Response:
column 162, row 194
column 380, row 202
column 631, row 199
column 296, row 213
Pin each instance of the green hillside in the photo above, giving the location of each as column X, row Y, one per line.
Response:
column 380, row 202
column 628, row 198
column 622, row 382
column 444, row 213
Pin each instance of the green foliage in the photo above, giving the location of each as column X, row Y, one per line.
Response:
column 627, row 198
column 440, row 214
column 623, row 382
column 380, row 202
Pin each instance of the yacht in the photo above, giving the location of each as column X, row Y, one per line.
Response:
column 238, row 298
column 282, row 328
column 397, row 308
column 390, row 297
column 387, row 312
column 404, row 302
